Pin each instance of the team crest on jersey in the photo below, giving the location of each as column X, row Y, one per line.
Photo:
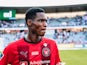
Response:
column 23, row 63
column 45, row 50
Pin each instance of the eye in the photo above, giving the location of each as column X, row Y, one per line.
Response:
column 42, row 20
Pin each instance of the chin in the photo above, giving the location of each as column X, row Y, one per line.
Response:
column 41, row 34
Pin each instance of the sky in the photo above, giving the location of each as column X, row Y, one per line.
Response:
column 36, row 3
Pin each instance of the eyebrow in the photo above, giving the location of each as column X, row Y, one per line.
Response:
column 42, row 19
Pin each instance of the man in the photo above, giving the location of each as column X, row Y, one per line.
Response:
column 33, row 49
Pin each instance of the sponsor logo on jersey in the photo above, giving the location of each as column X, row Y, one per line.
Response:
column 45, row 62
column 23, row 63
column 35, row 53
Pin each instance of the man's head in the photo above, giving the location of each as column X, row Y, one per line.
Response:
column 36, row 21
column 31, row 13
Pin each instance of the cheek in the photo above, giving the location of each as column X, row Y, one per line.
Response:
column 37, row 26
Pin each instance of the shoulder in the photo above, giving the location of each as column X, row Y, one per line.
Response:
column 14, row 44
column 47, row 39
column 50, row 41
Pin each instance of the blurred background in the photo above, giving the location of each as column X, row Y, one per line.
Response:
column 67, row 25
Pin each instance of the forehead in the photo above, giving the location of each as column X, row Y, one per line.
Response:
column 41, row 15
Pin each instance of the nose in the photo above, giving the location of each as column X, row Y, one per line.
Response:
column 45, row 23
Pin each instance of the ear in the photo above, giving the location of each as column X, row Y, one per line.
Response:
column 29, row 22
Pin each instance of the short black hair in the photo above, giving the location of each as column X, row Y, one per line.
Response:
column 31, row 13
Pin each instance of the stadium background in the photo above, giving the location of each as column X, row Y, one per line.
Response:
column 67, row 25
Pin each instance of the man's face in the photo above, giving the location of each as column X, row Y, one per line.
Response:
column 39, row 24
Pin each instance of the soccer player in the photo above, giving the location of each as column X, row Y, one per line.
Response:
column 33, row 49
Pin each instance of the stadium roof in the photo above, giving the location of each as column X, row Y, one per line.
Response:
column 50, row 6
column 34, row 3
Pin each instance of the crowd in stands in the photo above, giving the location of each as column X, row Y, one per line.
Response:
column 77, row 37
column 71, row 37
column 8, row 36
column 66, row 21
column 52, row 22
column 12, row 23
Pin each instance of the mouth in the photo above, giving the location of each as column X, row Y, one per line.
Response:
column 43, row 30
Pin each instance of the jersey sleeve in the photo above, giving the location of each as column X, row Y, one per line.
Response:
column 55, row 57
column 6, row 58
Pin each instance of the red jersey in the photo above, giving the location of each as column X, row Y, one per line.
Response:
column 22, row 52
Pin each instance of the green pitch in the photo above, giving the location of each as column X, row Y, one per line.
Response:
column 74, row 57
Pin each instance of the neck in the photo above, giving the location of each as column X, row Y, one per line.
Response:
column 33, row 38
